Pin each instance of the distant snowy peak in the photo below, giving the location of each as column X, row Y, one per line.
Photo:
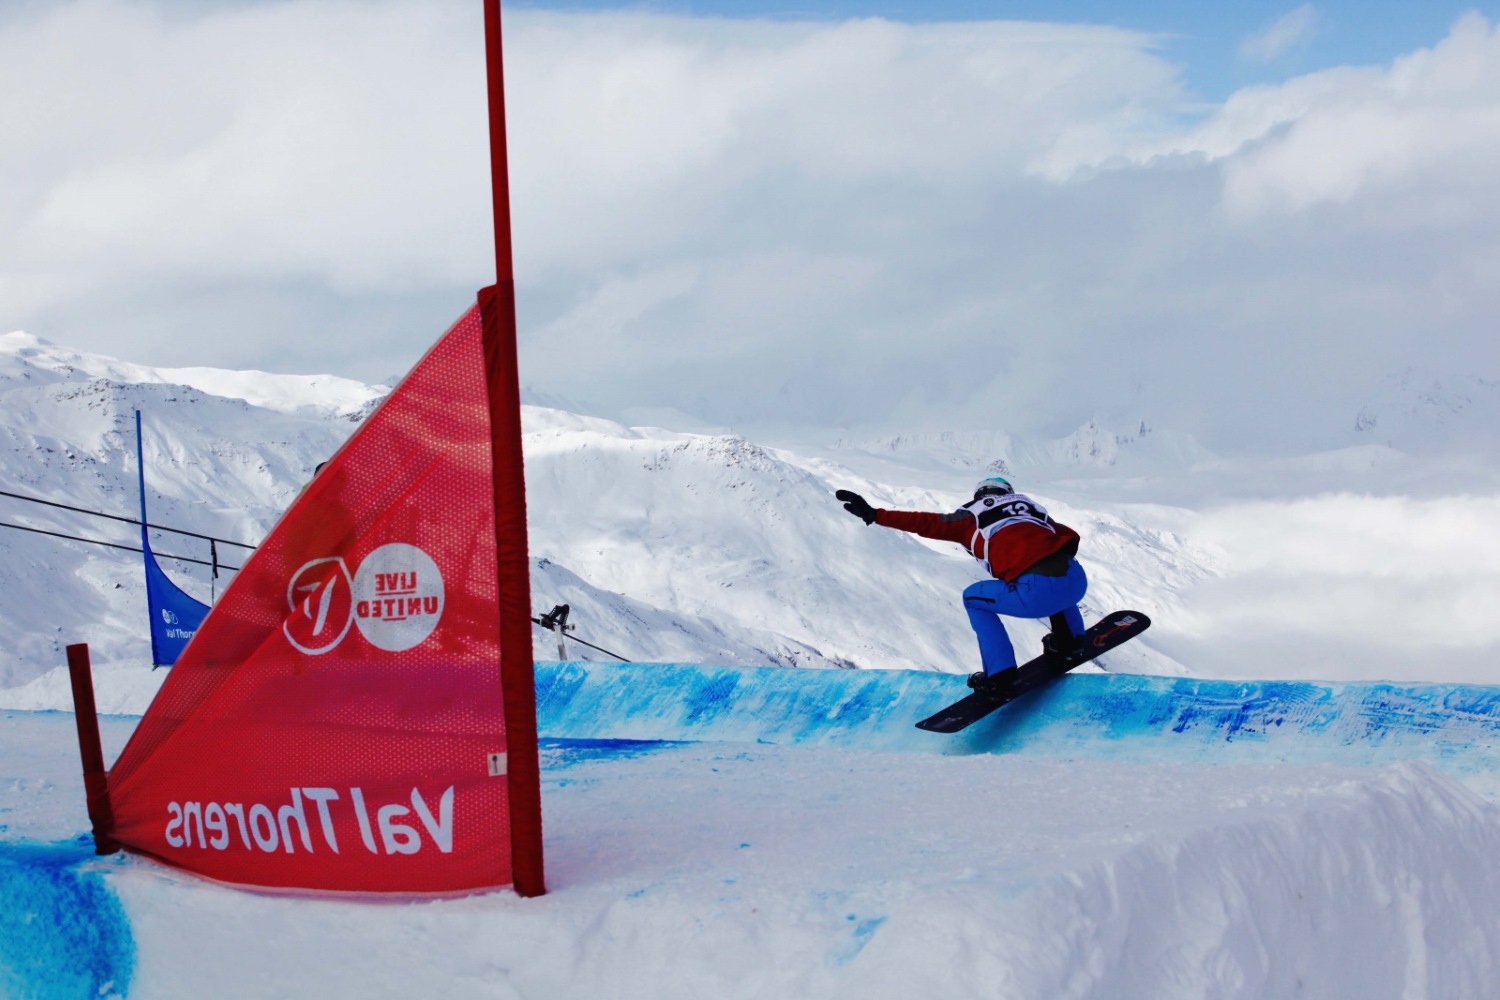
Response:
column 30, row 359
column 550, row 430
column 1418, row 410
column 961, row 449
column 1094, row 445
column 551, row 422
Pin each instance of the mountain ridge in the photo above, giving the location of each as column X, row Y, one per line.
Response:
column 669, row 546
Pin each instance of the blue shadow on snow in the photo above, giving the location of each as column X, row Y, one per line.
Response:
column 63, row 934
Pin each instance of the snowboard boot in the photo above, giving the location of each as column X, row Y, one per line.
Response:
column 999, row 683
column 1056, row 647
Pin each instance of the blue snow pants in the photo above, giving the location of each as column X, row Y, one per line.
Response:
column 1031, row 596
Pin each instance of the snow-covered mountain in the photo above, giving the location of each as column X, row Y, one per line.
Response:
column 1420, row 407
column 1094, row 448
column 668, row 546
column 710, row 548
column 225, row 451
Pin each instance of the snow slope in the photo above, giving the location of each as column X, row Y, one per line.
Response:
column 1235, row 853
column 668, row 546
column 219, row 464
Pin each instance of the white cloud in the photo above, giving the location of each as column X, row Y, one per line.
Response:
column 1294, row 28
column 1429, row 125
column 1428, row 122
column 1350, row 586
column 240, row 140
column 844, row 224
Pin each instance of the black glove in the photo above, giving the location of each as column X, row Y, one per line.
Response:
column 856, row 505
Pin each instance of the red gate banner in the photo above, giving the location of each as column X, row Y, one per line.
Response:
column 356, row 714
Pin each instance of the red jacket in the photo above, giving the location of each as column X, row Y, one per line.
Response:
column 1013, row 549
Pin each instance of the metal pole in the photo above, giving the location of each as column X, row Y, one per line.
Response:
column 95, row 778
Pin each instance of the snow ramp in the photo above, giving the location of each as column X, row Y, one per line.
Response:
column 778, row 833
column 1144, row 718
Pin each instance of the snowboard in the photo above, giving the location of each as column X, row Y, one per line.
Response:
column 1108, row 633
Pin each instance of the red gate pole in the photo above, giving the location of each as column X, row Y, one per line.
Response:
column 517, row 672
column 95, row 778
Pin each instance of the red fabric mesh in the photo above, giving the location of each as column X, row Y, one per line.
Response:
column 248, row 719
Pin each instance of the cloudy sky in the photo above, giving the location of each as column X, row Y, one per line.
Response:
column 822, row 215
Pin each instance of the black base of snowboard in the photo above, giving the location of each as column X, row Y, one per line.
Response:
column 1113, row 630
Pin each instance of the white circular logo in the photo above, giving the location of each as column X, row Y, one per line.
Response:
column 320, row 608
column 398, row 596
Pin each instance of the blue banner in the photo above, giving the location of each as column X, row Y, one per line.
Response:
column 175, row 616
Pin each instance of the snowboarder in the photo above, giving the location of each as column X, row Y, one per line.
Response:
column 1028, row 555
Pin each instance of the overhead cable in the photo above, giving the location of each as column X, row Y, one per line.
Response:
column 211, row 539
column 126, row 520
column 111, row 545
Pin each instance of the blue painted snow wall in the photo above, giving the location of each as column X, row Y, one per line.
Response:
column 1455, row 727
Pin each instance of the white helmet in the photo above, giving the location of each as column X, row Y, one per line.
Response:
column 993, row 486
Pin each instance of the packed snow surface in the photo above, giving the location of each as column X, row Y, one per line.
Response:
column 728, row 867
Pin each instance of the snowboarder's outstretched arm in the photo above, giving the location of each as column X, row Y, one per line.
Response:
column 955, row 527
